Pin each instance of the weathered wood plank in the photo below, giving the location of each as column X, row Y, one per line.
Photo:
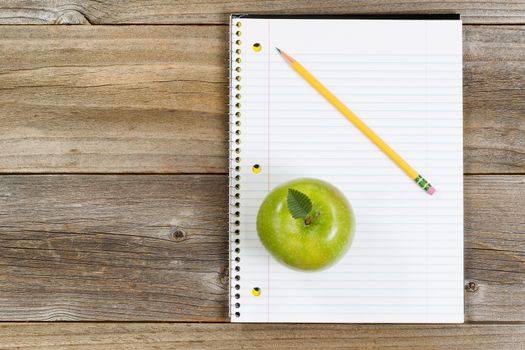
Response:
column 113, row 99
column 113, row 248
column 106, row 247
column 153, row 99
column 495, row 248
column 93, row 336
column 494, row 99
column 210, row 11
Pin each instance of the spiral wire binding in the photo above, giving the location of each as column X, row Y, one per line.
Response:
column 234, row 161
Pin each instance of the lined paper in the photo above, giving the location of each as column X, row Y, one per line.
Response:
column 404, row 79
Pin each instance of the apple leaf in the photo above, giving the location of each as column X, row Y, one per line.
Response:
column 299, row 205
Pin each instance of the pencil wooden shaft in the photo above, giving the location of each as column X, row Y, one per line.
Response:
column 316, row 84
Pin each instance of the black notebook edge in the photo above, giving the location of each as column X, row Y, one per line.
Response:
column 437, row 16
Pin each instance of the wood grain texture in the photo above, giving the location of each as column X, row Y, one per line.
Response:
column 494, row 99
column 211, row 11
column 153, row 99
column 113, row 248
column 154, row 247
column 495, row 248
column 113, row 99
column 132, row 336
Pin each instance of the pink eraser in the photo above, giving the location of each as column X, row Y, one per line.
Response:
column 431, row 190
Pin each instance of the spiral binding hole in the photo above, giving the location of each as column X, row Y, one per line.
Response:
column 238, row 42
column 237, row 314
column 256, row 169
column 237, row 296
column 237, row 268
column 237, row 177
column 237, row 259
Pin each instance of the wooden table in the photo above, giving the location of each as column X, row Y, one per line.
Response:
column 113, row 161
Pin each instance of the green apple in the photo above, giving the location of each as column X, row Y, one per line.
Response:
column 306, row 224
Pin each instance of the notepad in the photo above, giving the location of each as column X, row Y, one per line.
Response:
column 402, row 77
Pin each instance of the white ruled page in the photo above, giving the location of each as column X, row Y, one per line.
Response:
column 404, row 79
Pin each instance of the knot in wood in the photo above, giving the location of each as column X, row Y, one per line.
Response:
column 224, row 277
column 71, row 16
column 178, row 234
column 471, row 287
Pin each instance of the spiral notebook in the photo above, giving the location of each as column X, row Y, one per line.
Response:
column 403, row 77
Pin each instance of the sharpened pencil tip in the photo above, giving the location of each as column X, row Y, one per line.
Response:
column 284, row 55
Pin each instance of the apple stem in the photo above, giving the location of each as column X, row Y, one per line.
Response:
column 310, row 218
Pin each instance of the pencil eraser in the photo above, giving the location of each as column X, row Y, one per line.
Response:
column 431, row 190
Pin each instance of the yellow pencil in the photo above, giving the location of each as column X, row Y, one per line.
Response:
column 316, row 84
